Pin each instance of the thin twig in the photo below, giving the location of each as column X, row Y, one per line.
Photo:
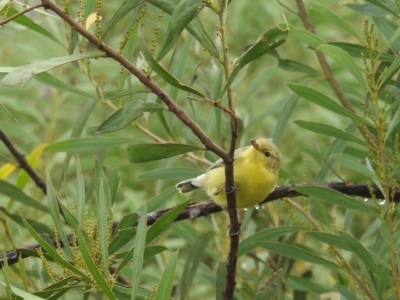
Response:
column 22, row 162
column 217, row 104
column 22, row 12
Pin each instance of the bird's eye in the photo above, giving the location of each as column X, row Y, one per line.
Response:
column 267, row 154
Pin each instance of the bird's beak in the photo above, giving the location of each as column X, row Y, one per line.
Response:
column 255, row 145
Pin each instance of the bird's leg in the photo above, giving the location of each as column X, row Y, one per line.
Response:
column 235, row 233
column 232, row 189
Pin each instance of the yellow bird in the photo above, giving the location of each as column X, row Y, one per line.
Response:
column 256, row 169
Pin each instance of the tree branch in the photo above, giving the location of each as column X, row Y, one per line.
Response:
column 208, row 207
column 22, row 162
column 172, row 105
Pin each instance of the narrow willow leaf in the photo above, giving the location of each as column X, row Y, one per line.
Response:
column 167, row 279
column 344, row 291
column 25, row 73
column 149, row 152
column 385, row 232
column 11, row 191
column 328, row 15
column 113, row 182
column 359, row 250
column 159, row 200
column 182, row 15
column 335, row 198
column 55, row 213
column 343, row 58
column 87, row 144
column 270, row 40
column 162, row 224
column 394, row 67
column 21, row 293
column 321, row 99
column 73, row 40
column 163, row 73
column 268, row 234
column 126, row 92
column 140, row 243
column 32, row 26
column 195, row 27
column 103, row 208
column 383, row 6
column 94, row 271
column 296, row 252
column 221, row 280
column 352, row 163
column 306, row 37
column 358, row 50
column 124, row 9
column 127, row 114
column 284, row 118
column 37, row 225
column 270, row 287
column 330, row 239
column 171, row 173
column 50, row 80
column 330, row 131
column 192, row 263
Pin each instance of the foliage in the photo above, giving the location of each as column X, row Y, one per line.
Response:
column 336, row 118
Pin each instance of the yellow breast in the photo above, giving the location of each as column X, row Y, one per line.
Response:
column 254, row 182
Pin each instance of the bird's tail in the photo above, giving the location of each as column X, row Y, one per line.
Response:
column 186, row 186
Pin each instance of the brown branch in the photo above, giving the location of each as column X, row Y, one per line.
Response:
column 22, row 162
column 368, row 136
column 22, row 12
column 173, row 107
column 208, row 207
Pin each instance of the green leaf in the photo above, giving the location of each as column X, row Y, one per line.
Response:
column 163, row 73
column 306, row 37
column 170, row 173
column 55, row 213
column 140, row 243
column 295, row 252
column 270, row 40
column 121, row 93
column 195, row 27
column 330, row 131
column 167, row 279
column 25, row 73
column 32, row 26
column 73, row 40
column 352, row 163
column 344, row 291
column 127, row 114
column 357, row 50
column 330, row 239
column 50, row 80
column 284, row 118
column 113, row 182
column 88, row 144
column 221, row 280
column 37, row 225
column 336, row 198
column 343, row 58
column 161, row 224
column 359, row 250
column 182, row 15
column 270, row 287
column 94, row 271
column 80, row 193
column 383, row 6
column 192, row 263
column 103, row 209
column 385, row 232
column 328, row 15
column 19, row 196
column 248, row 244
column 321, row 99
column 157, row 201
column 149, row 152
column 394, row 67
column 124, row 9
column 23, row 294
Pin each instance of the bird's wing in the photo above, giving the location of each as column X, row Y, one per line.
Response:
column 220, row 162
